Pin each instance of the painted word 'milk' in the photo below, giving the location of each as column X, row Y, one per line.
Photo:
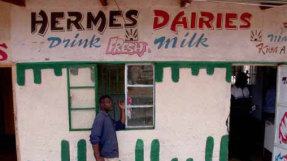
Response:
column 187, row 41
column 118, row 46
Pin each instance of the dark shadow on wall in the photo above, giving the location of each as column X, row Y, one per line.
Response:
column 7, row 126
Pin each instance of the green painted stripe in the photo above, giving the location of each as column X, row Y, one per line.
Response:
column 58, row 71
column 223, row 155
column 155, row 148
column 65, row 150
column 139, row 151
column 190, row 159
column 194, row 65
column 82, row 150
column 158, row 72
column 228, row 73
column 209, row 70
column 20, row 74
column 175, row 73
column 194, row 70
column 37, row 76
column 209, row 148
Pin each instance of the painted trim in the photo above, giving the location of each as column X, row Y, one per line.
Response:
column 82, row 150
column 154, row 150
column 139, row 150
column 194, row 66
column 65, row 150
column 175, row 65
column 223, row 154
column 209, row 148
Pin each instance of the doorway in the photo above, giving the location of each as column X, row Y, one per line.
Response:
column 7, row 125
column 251, row 126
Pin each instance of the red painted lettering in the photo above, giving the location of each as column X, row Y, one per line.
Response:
column 229, row 20
column 160, row 14
column 219, row 21
column 266, row 49
column 245, row 18
column 202, row 20
column 3, row 54
column 193, row 21
column 206, row 19
column 177, row 22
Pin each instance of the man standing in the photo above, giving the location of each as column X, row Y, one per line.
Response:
column 240, row 119
column 103, row 135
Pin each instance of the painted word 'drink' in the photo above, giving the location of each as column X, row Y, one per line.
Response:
column 118, row 46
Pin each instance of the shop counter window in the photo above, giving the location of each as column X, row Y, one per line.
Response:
column 133, row 83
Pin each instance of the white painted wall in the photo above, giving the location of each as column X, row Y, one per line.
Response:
column 187, row 113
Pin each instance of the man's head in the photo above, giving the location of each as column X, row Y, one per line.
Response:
column 241, row 79
column 106, row 103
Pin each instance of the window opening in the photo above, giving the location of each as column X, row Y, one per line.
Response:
column 139, row 95
column 133, row 83
column 82, row 96
column 111, row 82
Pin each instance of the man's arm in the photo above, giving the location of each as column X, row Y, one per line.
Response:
column 97, row 154
column 123, row 111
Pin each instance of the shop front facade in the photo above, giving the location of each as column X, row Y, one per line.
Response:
column 171, row 65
